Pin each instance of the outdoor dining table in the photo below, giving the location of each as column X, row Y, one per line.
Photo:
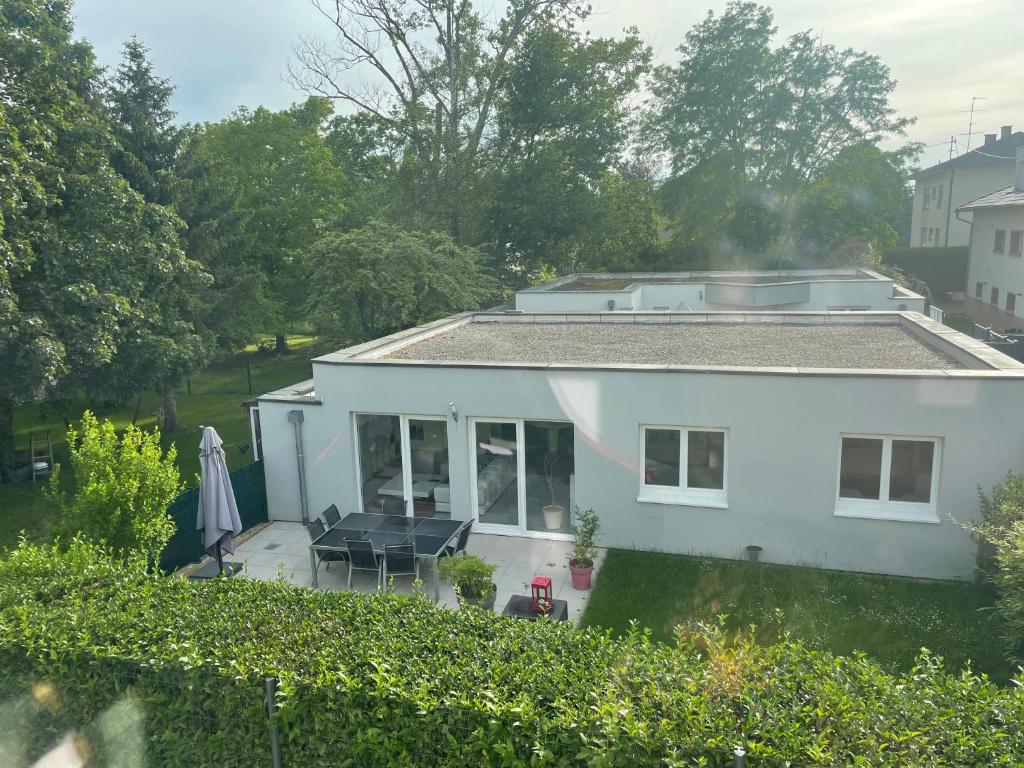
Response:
column 429, row 535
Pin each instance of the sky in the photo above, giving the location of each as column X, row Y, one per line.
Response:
column 222, row 54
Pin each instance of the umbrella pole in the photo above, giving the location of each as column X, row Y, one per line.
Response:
column 220, row 560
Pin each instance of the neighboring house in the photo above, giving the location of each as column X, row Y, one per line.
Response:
column 995, row 270
column 940, row 190
column 846, row 440
column 790, row 290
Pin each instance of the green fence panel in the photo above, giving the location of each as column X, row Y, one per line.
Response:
column 185, row 546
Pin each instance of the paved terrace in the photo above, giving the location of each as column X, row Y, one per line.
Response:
column 281, row 550
column 851, row 346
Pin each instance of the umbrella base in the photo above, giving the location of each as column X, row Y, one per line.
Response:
column 210, row 570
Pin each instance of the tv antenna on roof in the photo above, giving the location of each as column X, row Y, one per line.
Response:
column 970, row 123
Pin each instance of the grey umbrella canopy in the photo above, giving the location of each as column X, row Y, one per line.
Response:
column 218, row 514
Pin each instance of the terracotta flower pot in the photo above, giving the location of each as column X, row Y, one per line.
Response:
column 580, row 575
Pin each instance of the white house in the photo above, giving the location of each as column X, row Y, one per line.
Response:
column 995, row 271
column 941, row 189
column 847, row 440
column 790, row 290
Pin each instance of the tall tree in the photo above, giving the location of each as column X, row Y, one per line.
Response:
column 79, row 243
column 143, row 122
column 561, row 126
column 380, row 278
column 165, row 342
column 433, row 74
column 283, row 177
column 770, row 119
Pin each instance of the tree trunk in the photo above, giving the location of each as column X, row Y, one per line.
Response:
column 281, row 344
column 170, row 411
column 138, row 407
column 6, row 438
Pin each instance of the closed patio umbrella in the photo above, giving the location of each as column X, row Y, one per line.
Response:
column 217, row 518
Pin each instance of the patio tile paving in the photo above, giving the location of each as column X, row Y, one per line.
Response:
column 282, row 550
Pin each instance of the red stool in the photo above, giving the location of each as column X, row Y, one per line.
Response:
column 540, row 589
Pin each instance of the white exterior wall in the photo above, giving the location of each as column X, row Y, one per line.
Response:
column 782, row 453
column 968, row 184
column 871, row 294
column 1001, row 270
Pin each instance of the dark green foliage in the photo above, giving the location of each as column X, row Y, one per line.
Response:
column 943, row 269
column 394, row 681
column 380, row 278
column 1002, row 557
column 82, row 252
column 773, row 146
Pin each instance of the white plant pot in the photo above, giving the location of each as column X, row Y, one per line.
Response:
column 554, row 517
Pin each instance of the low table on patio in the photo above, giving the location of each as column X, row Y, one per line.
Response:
column 429, row 535
column 521, row 607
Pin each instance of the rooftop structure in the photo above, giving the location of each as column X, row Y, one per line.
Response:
column 807, row 289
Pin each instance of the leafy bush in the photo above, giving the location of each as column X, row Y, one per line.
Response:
column 1001, row 557
column 391, row 680
column 584, row 549
column 121, row 488
column 471, row 576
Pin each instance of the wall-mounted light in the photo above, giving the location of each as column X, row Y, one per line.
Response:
column 454, row 410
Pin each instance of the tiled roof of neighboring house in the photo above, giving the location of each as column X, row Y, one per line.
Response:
column 999, row 152
column 857, row 346
column 1001, row 197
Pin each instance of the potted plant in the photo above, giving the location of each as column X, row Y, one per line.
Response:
column 554, row 514
column 581, row 560
column 472, row 578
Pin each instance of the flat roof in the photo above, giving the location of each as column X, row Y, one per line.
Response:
column 754, row 345
column 833, row 343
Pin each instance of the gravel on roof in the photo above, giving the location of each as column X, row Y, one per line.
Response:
column 712, row 344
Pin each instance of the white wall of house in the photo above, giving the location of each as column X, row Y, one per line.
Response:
column 1003, row 271
column 929, row 225
column 782, row 454
column 804, row 295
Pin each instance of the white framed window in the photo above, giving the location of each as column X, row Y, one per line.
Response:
column 684, row 465
column 938, row 196
column 1016, row 241
column 888, row 477
column 927, row 196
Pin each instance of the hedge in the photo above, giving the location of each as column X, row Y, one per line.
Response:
column 392, row 680
column 943, row 269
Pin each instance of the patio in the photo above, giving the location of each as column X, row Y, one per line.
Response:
column 282, row 550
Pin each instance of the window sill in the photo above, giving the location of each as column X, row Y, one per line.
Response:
column 683, row 497
column 900, row 512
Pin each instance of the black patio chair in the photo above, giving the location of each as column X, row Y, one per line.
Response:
column 459, row 547
column 400, row 560
column 332, row 516
column 361, row 557
column 316, row 529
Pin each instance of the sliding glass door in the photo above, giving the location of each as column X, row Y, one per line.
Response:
column 403, row 465
column 523, row 475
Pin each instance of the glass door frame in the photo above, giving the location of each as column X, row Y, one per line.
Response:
column 404, row 450
column 521, row 528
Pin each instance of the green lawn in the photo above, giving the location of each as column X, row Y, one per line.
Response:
column 216, row 400
column 888, row 618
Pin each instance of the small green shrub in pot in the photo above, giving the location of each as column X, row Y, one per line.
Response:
column 581, row 560
column 472, row 577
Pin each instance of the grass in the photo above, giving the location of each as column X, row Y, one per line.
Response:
column 216, row 400
column 888, row 618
